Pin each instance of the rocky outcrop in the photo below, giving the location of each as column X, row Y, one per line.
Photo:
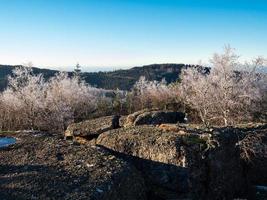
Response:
column 89, row 129
column 159, row 155
column 146, row 142
column 209, row 164
column 166, row 161
column 48, row 167
column 231, row 165
column 132, row 117
column 218, row 173
column 253, row 148
column 146, row 117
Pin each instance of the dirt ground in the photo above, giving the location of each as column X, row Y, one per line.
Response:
column 43, row 166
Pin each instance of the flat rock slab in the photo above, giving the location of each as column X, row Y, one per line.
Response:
column 147, row 142
column 47, row 167
column 92, row 127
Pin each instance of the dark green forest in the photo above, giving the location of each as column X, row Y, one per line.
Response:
column 121, row 79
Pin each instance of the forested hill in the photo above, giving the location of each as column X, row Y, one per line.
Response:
column 122, row 79
column 125, row 79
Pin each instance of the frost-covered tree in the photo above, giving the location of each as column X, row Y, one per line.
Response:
column 229, row 93
column 22, row 100
column 29, row 102
column 69, row 99
column 151, row 94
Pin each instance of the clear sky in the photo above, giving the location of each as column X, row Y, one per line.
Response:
column 124, row 33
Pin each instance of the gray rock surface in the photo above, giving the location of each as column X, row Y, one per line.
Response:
column 159, row 155
column 90, row 128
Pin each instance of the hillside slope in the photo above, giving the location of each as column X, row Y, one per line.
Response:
column 122, row 79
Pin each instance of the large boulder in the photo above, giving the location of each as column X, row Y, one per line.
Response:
column 132, row 117
column 254, row 154
column 208, row 163
column 159, row 155
column 154, row 118
column 220, row 172
column 47, row 167
column 232, row 166
column 147, row 142
column 90, row 129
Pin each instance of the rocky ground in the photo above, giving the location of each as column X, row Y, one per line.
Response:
column 47, row 167
column 161, row 162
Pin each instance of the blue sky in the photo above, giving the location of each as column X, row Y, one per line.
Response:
column 124, row 33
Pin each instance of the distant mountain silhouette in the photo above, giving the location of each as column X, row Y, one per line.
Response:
column 122, row 79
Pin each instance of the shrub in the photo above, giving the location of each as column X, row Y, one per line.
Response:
column 230, row 93
column 151, row 94
column 29, row 102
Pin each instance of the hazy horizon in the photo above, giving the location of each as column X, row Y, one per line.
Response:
column 114, row 34
column 89, row 68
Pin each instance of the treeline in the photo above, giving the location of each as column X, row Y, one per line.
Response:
column 121, row 79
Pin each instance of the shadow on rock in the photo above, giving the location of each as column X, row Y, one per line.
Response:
column 163, row 181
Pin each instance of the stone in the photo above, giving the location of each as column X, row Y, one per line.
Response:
column 174, row 128
column 132, row 117
column 116, row 122
column 89, row 130
column 157, row 154
column 154, row 118
column 234, row 160
column 254, row 154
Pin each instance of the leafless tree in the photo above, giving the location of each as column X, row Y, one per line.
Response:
column 29, row 102
column 229, row 93
column 152, row 94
